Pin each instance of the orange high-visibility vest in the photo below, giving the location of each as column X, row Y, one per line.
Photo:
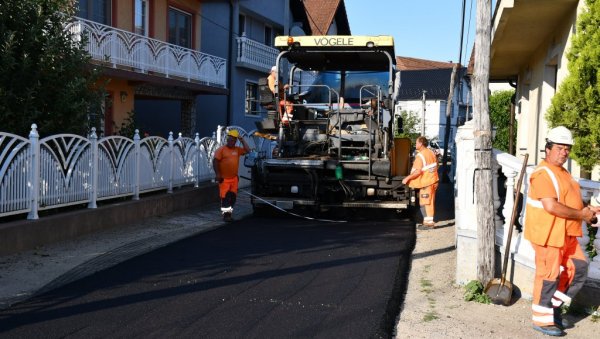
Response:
column 426, row 163
column 541, row 227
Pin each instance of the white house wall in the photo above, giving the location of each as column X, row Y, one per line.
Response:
column 435, row 114
column 536, row 89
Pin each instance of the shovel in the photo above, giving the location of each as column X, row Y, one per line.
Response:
column 500, row 290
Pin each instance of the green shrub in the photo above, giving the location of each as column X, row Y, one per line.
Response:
column 474, row 292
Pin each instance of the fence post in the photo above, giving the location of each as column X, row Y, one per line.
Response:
column 34, row 172
column 114, row 39
column 197, row 142
column 170, row 187
column 136, row 186
column 219, row 127
column 95, row 171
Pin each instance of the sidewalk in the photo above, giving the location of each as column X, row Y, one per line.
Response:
column 434, row 306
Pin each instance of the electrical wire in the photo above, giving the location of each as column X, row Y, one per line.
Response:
column 291, row 213
column 468, row 31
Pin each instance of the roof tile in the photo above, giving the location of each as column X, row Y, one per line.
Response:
column 320, row 14
column 412, row 64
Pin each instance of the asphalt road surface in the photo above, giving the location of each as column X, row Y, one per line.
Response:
column 274, row 277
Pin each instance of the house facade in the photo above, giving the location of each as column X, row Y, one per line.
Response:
column 529, row 43
column 535, row 60
column 149, row 50
column 424, row 92
column 244, row 35
column 186, row 66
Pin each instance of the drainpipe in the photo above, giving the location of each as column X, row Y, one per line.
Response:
column 286, row 18
column 233, row 7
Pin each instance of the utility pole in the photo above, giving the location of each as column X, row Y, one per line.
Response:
column 449, row 106
column 483, row 145
column 424, row 110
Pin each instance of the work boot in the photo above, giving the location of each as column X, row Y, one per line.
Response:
column 549, row 330
column 561, row 320
column 430, row 224
column 424, row 227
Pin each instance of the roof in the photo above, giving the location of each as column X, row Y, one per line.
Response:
column 413, row 64
column 321, row 14
column 435, row 81
column 520, row 27
column 417, row 75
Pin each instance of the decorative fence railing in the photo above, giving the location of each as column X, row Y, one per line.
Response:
column 254, row 53
column 521, row 250
column 122, row 48
column 66, row 169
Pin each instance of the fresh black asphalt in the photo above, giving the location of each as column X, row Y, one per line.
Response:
column 273, row 277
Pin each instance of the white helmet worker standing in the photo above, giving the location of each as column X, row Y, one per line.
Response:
column 554, row 213
column 560, row 135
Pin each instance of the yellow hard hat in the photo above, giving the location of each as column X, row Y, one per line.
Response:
column 233, row 133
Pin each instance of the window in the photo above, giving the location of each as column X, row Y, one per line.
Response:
column 141, row 17
column 251, row 95
column 268, row 36
column 95, row 10
column 180, row 28
column 242, row 25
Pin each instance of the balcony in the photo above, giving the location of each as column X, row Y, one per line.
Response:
column 255, row 55
column 121, row 49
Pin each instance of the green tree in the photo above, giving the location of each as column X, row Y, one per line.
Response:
column 500, row 119
column 45, row 77
column 410, row 126
column 576, row 104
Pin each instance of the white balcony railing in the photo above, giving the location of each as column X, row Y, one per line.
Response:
column 255, row 54
column 120, row 48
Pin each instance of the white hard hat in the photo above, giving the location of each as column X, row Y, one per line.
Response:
column 274, row 69
column 560, row 135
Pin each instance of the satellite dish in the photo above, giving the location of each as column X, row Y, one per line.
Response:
column 297, row 30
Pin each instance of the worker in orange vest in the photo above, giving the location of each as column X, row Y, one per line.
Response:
column 225, row 165
column 553, row 221
column 424, row 176
column 286, row 110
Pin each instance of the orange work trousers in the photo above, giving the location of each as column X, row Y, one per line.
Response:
column 427, row 201
column 228, row 185
column 560, row 272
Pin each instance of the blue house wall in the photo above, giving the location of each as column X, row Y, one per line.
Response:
column 220, row 28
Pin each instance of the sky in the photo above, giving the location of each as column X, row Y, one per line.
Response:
column 423, row 29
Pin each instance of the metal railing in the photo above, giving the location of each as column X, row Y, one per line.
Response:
column 67, row 169
column 256, row 54
column 117, row 47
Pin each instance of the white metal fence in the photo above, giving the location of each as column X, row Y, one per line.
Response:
column 67, row 169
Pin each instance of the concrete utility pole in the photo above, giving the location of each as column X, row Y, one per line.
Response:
column 424, row 109
column 449, row 106
column 483, row 145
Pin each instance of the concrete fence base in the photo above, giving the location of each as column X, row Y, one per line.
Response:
column 22, row 235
